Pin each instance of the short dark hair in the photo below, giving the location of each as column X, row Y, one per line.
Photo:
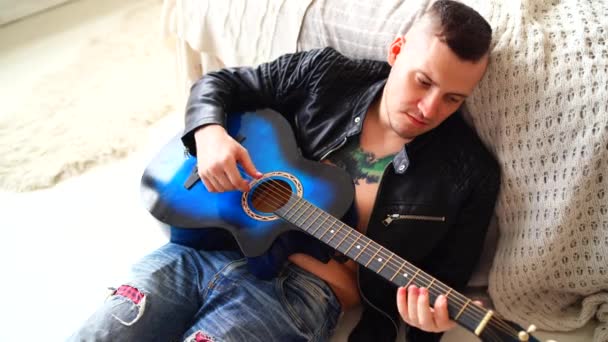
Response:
column 462, row 28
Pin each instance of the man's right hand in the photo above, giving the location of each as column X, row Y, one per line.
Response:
column 217, row 157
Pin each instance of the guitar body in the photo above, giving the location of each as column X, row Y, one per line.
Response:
column 270, row 142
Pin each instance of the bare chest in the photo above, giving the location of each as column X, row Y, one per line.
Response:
column 366, row 170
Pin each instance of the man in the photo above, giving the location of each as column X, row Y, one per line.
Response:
column 360, row 115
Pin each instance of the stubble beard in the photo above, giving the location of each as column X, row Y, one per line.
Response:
column 388, row 117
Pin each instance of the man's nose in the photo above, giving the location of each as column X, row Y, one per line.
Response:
column 429, row 105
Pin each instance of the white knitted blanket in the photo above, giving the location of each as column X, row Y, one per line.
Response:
column 543, row 110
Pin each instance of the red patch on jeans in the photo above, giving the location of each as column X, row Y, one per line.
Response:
column 130, row 292
column 200, row 337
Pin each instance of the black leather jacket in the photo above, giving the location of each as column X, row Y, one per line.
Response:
column 445, row 173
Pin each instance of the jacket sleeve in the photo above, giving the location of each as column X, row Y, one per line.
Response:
column 270, row 85
column 456, row 256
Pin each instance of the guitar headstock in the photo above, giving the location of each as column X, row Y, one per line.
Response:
column 501, row 330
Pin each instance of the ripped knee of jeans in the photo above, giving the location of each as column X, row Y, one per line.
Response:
column 200, row 336
column 128, row 304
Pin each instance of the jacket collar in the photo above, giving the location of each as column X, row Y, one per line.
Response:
column 402, row 159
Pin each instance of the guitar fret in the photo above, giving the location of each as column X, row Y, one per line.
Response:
column 412, row 278
column 286, row 211
column 291, row 207
column 362, row 249
column 312, row 223
column 307, row 217
column 338, row 229
column 319, row 226
column 462, row 309
column 372, row 258
column 351, row 246
column 326, row 230
column 398, row 271
column 344, row 238
column 431, row 283
column 447, row 294
column 385, row 263
column 296, row 219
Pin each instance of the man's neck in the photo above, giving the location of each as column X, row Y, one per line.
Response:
column 377, row 135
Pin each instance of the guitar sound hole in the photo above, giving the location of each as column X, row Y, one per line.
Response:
column 271, row 195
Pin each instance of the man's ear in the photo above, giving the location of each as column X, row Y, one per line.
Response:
column 394, row 49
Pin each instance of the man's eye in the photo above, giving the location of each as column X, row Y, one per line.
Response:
column 423, row 82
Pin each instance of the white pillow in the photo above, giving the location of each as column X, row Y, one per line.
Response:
column 358, row 29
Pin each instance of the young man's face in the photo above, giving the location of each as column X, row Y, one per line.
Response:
column 427, row 83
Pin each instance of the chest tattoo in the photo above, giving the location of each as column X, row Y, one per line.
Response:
column 361, row 165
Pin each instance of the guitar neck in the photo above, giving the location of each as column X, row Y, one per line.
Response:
column 374, row 257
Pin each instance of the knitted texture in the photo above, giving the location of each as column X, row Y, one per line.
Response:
column 543, row 109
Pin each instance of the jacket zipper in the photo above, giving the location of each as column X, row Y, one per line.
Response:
column 394, row 217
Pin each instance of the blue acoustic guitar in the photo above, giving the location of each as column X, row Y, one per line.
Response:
column 295, row 194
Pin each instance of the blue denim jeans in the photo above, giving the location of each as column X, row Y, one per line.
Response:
column 181, row 294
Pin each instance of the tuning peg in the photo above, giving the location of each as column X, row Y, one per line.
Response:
column 525, row 335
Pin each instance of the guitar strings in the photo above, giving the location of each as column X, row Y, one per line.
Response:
column 417, row 275
column 476, row 310
column 420, row 276
column 393, row 265
column 504, row 326
column 461, row 301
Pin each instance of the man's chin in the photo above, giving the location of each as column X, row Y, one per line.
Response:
column 411, row 132
column 407, row 134
column 415, row 122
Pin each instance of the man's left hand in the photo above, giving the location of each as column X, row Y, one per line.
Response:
column 414, row 308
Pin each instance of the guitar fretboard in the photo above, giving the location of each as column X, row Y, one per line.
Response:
column 373, row 256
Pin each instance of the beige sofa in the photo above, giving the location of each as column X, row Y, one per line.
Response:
column 539, row 108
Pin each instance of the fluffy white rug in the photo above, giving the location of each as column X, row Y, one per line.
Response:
column 94, row 110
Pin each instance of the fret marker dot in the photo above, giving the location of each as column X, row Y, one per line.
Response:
column 380, row 259
column 358, row 246
column 405, row 275
column 331, row 231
